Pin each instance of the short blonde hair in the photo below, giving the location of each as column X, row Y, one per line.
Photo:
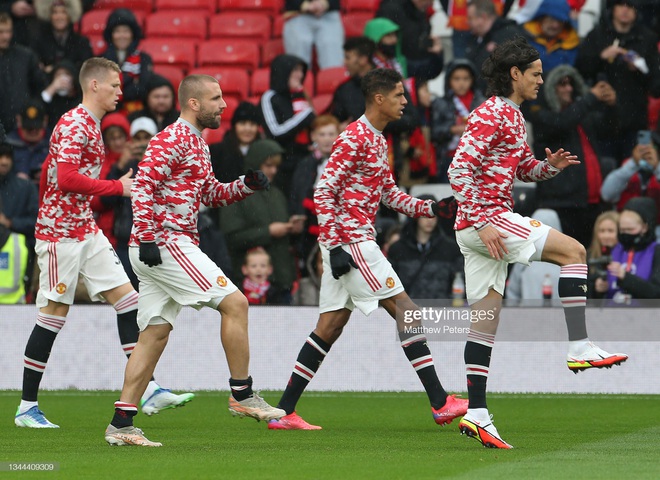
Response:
column 96, row 67
column 192, row 87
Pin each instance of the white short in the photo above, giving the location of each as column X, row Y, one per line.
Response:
column 375, row 280
column 525, row 241
column 61, row 263
column 186, row 277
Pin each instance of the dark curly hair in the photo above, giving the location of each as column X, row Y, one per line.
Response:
column 496, row 69
column 379, row 80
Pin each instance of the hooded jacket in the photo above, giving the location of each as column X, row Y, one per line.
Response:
column 156, row 81
column 377, row 28
column 560, row 50
column 279, row 120
column 245, row 223
column 59, row 105
column 555, row 128
column 137, row 67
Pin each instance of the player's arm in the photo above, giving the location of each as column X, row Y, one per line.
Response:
column 401, row 202
column 532, row 170
column 217, row 194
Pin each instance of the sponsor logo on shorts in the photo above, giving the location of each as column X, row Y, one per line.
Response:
column 222, row 281
column 60, row 288
column 389, row 282
column 535, row 223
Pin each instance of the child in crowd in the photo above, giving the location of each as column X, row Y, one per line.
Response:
column 256, row 270
column 605, row 237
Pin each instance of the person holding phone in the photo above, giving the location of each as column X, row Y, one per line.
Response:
column 638, row 176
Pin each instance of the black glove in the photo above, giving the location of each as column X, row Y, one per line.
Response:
column 341, row 262
column 256, row 180
column 445, row 208
column 149, row 254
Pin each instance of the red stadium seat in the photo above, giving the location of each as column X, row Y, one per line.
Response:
column 97, row 43
column 278, row 26
column 370, row 6
column 259, row 81
column 270, row 6
column 233, row 81
column 134, row 5
column 94, row 21
column 322, row 103
column 255, row 25
column 354, row 23
column 229, row 52
column 328, row 79
column 178, row 52
column 176, row 23
column 207, row 6
column 270, row 50
column 172, row 73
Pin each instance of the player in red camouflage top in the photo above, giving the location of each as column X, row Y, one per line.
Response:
column 175, row 177
column 492, row 152
column 70, row 244
column 356, row 180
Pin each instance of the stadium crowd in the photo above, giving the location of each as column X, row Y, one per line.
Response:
column 600, row 101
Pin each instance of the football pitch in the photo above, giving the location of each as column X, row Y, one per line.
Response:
column 364, row 436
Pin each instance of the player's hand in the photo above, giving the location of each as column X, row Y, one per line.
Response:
column 493, row 239
column 127, row 182
column 149, row 254
column 256, row 180
column 445, row 208
column 341, row 262
column 561, row 158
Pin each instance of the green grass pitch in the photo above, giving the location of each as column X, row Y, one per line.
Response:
column 364, row 436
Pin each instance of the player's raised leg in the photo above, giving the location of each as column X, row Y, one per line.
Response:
column 571, row 256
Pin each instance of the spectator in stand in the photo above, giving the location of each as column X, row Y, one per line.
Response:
column 348, row 99
column 314, row 23
column 63, row 93
column 605, row 237
column 624, row 52
column 228, row 156
column 122, row 34
column 309, row 287
column 141, row 131
column 256, row 270
column 572, row 116
column 423, row 51
column 487, row 30
column 552, row 33
column 525, row 282
column 425, row 259
column 116, row 134
column 57, row 39
column 287, row 113
column 639, row 176
column 634, row 272
column 24, row 18
column 385, row 34
column 159, row 103
column 262, row 220
column 30, row 140
column 20, row 75
column 449, row 113
column 324, row 132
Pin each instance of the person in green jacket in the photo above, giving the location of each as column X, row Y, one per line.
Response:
column 263, row 220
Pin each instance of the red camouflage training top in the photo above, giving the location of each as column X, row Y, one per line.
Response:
column 493, row 150
column 355, row 180
column 77, row 141
column 174, row 177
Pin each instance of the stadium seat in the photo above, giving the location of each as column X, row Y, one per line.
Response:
column 260, row 82
column 134, row 5
column 278, row 26
column 354, row 23
column 322, row 103
column 233, row 81
column 271, row 49
column 209, row 7
column 98, row 44
column 179, row 52
column 229, row 52
column 173, row 73
column 255, row 25
column 328, row 79
column 176, row 23
column 94, row 21
column 349, row 6
column 269, row 6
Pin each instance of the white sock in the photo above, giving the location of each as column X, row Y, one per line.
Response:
column 151, row 389
column 578, row 347
column 479, row 414
column 25, row 406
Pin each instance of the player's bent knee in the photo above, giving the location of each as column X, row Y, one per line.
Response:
column 234, row 304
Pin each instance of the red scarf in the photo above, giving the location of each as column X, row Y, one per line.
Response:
column 255, row 292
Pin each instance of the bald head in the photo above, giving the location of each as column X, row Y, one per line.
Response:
column 194, row 86
column 96, row 68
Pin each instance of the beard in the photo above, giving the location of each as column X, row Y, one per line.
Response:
column 207, row 119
